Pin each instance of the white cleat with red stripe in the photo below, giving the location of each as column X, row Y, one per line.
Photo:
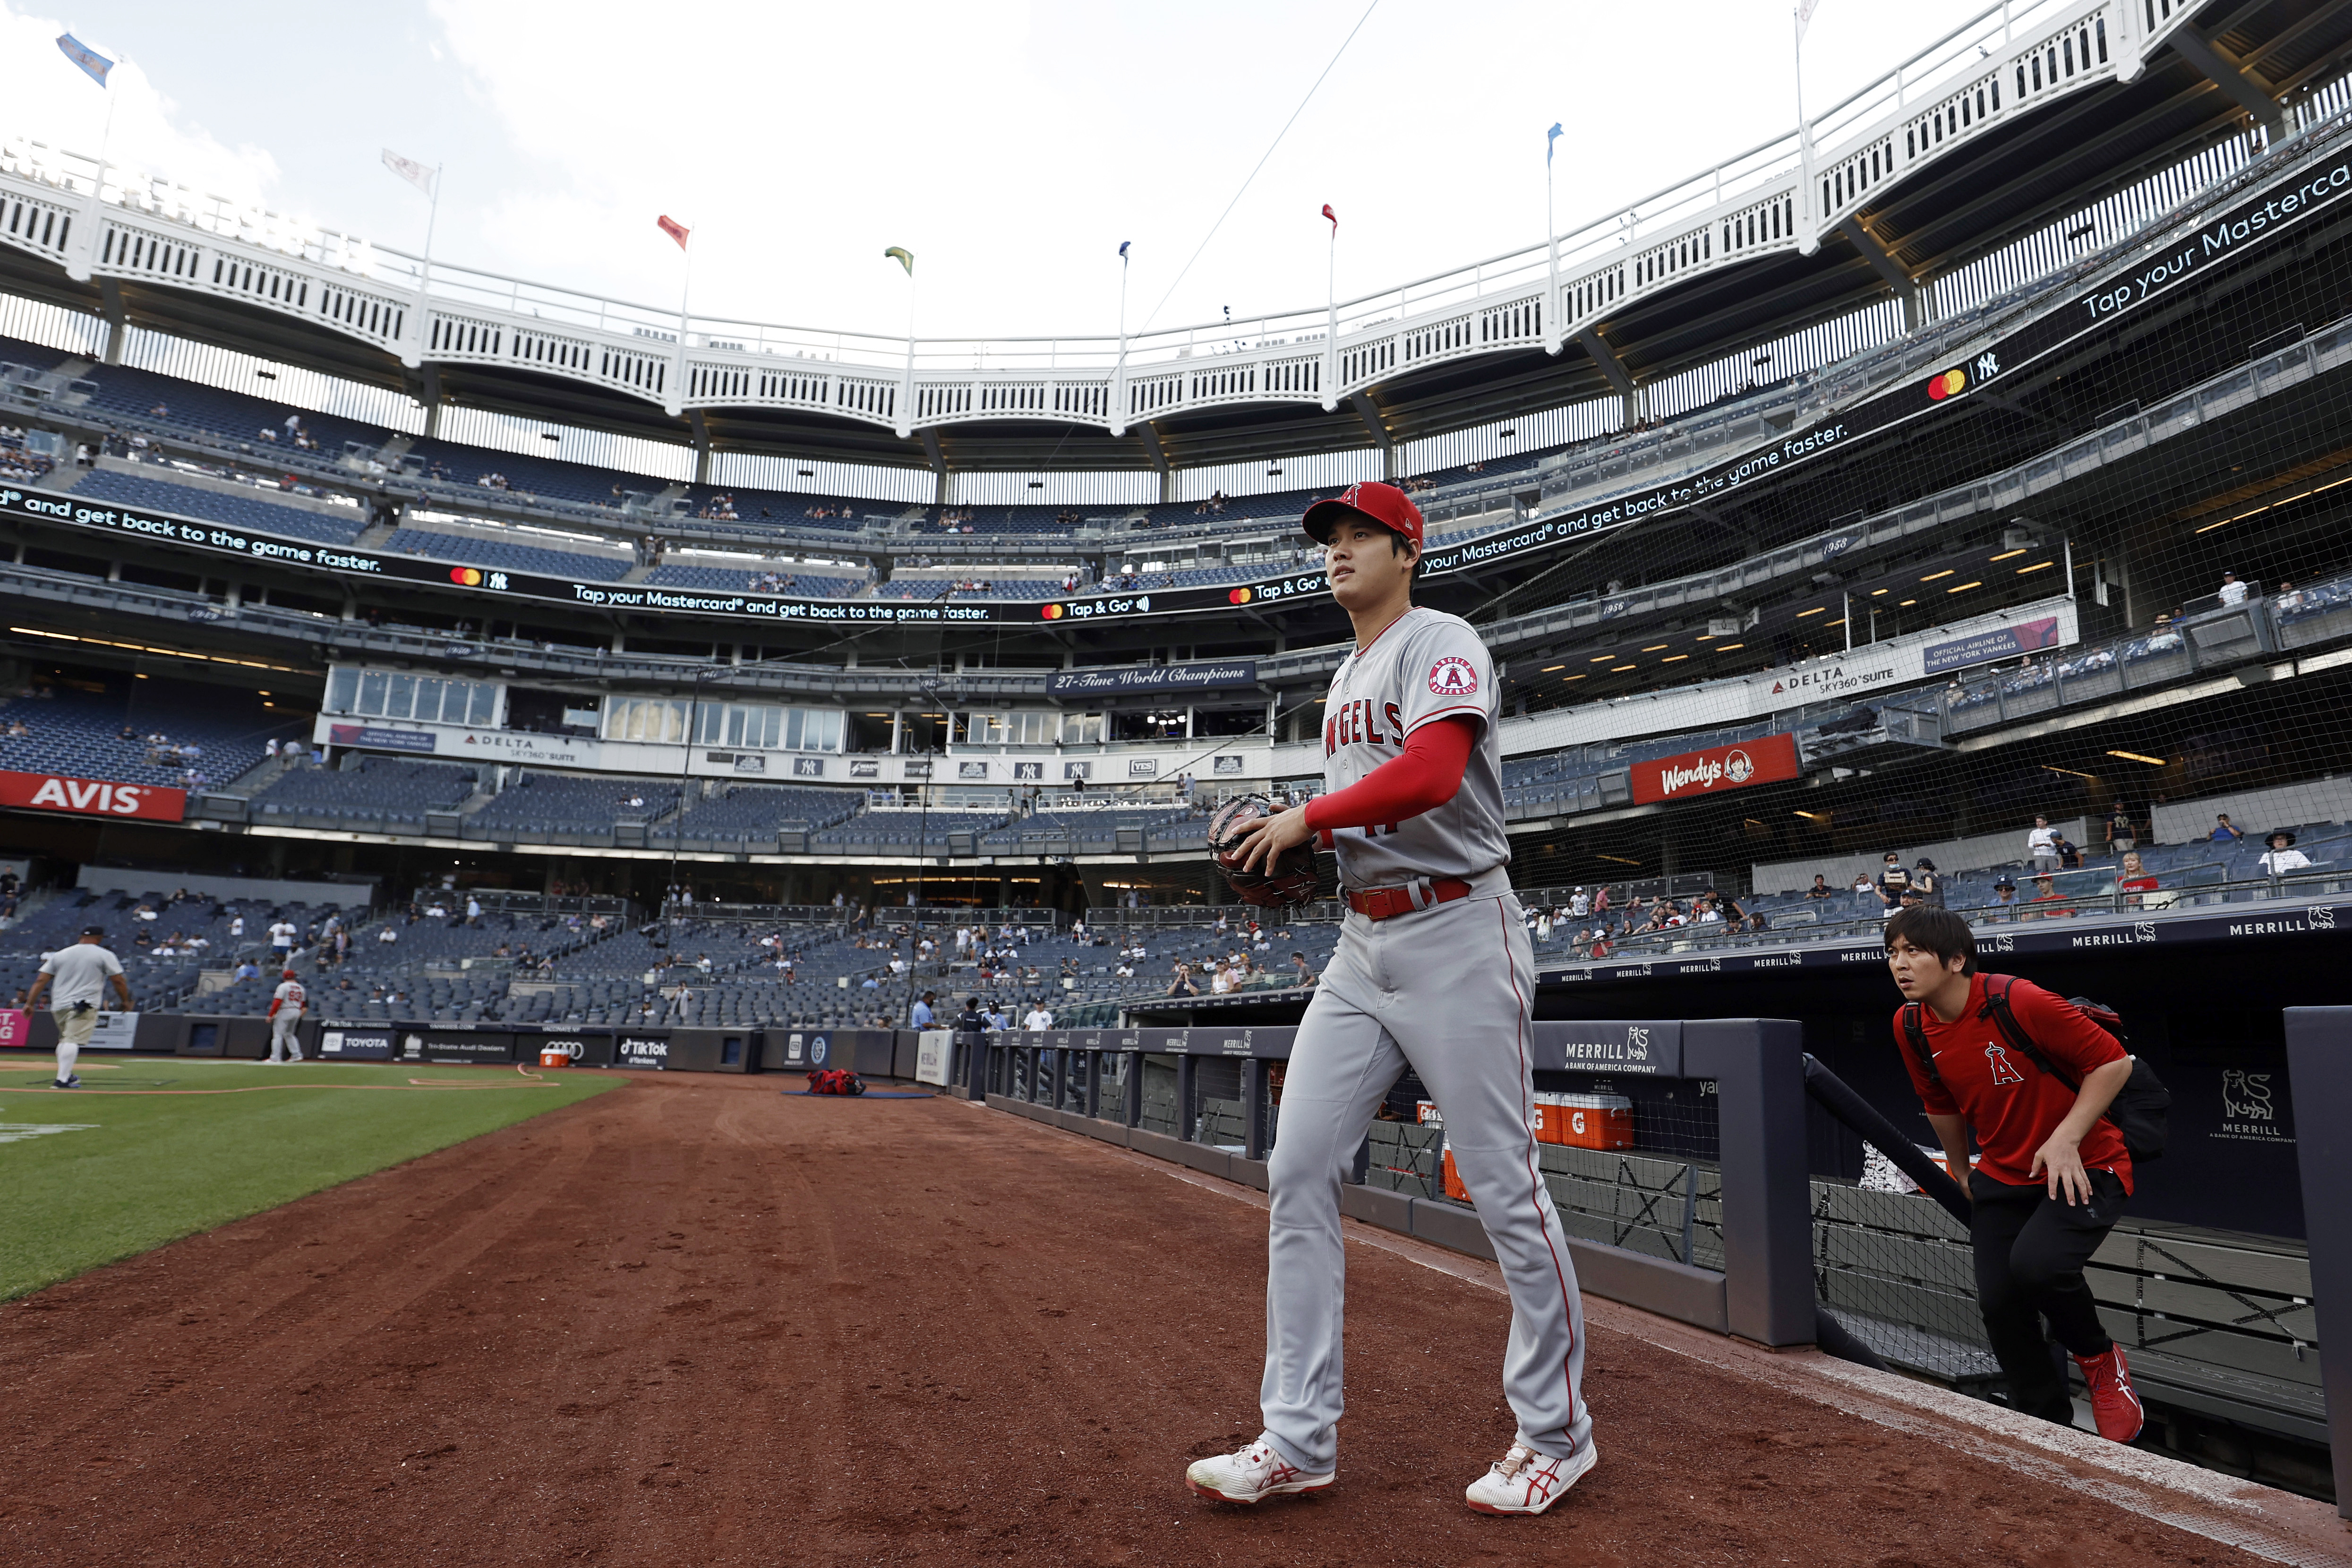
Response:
column 1524, row 1482
column 1257, row 1471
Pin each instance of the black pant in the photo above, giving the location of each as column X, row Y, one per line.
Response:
column 2030, row 1252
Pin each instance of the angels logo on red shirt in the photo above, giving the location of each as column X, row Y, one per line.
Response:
column 1453, row 676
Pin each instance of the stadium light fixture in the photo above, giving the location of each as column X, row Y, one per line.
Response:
column 1875, row 593
column 1571, row 678
column 1964, row 587
column 1658, row 648
column 1814, row 815
column 1816, row 610
column 2009, row 554
column 1933, row 575
column 1727, row 647
column 1673, row 658
column 1620, row 860
column 2035, row 567
column 1624, row 670
column 2071, row 773
column 1604, row 658
column 1900, row 604
column 2136, row 757
column 1550, row 668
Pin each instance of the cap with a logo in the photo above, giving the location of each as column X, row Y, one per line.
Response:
column 1383, row 504
column 93, row 931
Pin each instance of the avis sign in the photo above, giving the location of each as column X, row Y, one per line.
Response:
column 1715, row 771
column 92, row 797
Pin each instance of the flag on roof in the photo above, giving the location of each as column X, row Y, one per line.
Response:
column 82, row 54
column 902, row 255
column 409, row 169
column 1550, row 137
column 1332, row 216
column 675, row 229
column 1122, row 248
column 1805, row 16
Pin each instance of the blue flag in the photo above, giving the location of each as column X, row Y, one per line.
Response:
column 82, row 54
column 1550, row 136
column 1122, row 248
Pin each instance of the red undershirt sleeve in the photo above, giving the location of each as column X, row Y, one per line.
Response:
column 1424, row 776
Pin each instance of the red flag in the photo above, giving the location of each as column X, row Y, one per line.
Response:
column 675, row 229
column 1332, row 216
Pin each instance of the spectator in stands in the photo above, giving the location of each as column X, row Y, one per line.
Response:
column 2120, row 835
column 2283, row 857
column 2131, row 877
column 1182, row 985
column 2070, row 856
column 2232, row 592
column 390, row 934
column 2225, row 831
column 1301, row 975
column 1929, row 881
column 1864, row 889
column 2045, row 892
column 919, row 1017
column 1893, row 879
column 1039, row 1017
column 2041, row 844
column 248, row 970
column 1819, row 890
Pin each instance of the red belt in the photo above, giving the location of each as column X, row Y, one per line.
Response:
column 1386, row 903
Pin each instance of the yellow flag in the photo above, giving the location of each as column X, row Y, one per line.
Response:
column 903, row 256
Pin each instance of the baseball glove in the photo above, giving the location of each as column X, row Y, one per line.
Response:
column 1287, row 879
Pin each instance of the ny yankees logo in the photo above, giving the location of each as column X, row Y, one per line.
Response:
column 2003, row 1070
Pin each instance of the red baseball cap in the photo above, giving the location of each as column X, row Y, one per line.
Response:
column 1383, row 504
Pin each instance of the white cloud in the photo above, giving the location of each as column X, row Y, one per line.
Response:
column 51, row 101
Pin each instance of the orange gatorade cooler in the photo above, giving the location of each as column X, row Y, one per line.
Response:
column 1551, row 1122
column 1595, row 1121
column 1453, row 1187
column 1425, row 1111
column 554, row 1056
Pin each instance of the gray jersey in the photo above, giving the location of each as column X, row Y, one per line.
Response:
column 78, row 974
column 1426, row 665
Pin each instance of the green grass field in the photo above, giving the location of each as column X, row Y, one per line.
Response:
column 89, row 1177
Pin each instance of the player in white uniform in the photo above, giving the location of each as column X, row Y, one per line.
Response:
column 1433, row 971
column 286, row 1005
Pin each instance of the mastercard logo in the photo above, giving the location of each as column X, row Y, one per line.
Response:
column 1052, row 612
column 465, row 576
column 1240, row 595
column 1951, row 383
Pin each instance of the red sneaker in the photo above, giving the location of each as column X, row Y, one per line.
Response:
column 2114, row 1403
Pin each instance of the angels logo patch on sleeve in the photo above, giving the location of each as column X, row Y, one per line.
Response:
column 1453, row 676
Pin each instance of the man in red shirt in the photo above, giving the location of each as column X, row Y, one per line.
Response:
column 2052, row 1175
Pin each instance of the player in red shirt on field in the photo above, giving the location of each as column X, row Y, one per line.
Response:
column 2052, row 1175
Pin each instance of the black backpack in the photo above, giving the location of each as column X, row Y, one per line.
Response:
column 2140, row 1110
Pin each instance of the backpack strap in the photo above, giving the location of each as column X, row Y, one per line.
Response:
column 2004, row 1018
column 1915, row 1034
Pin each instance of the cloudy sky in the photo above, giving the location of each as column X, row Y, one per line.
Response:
column 1010, row 146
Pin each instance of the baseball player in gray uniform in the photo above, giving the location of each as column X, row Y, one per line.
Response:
column 285, row 1007
column 1433, row 971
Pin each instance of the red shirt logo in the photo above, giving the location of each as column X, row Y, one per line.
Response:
column 1453, row 676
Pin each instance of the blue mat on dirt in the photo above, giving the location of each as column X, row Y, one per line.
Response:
column 870, row 1094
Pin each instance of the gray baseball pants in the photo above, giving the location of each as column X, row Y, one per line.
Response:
column 1447, row 990
column 284, row 1042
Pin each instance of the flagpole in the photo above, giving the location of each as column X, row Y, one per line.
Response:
column 1554, row 327
column 685, row 298
column 1118, row 376
column 1809, row 237
column 1331, row 318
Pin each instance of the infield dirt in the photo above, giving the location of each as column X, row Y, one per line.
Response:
column 699, row 1322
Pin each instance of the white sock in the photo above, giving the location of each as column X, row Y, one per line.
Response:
column 66, row 1056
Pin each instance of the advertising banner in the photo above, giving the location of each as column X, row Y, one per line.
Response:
column 380, row 738
column 1154, row 678
column 16, row 1029
column 114, row 1032
column 356, row 1044
column 1984, row 647
column 1715, row 771
column 92, row 797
